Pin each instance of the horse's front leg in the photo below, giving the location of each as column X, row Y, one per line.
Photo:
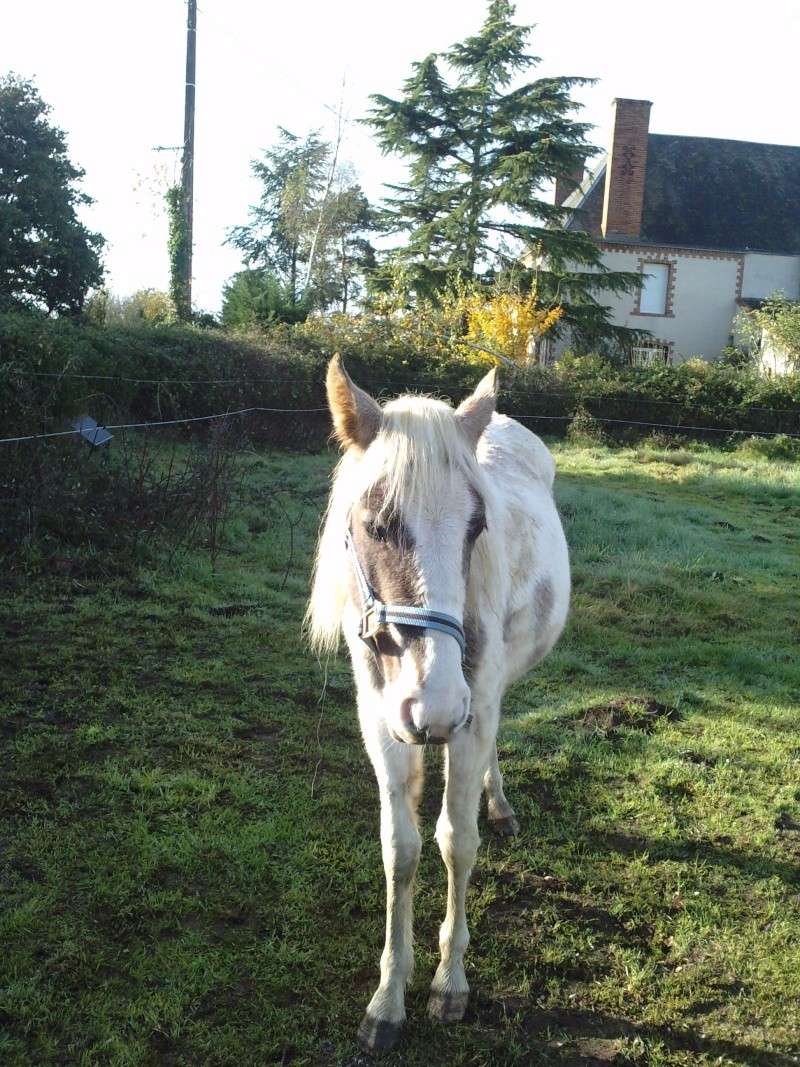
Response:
column 399, row 771
column 467, row 759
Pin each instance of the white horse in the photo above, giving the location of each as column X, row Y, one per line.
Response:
column 441, row 532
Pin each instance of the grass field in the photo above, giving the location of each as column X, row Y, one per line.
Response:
column 190, row 868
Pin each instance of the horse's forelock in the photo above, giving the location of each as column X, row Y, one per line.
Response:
column 419, row 454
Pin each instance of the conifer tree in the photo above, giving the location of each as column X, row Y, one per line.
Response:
column 481, row 144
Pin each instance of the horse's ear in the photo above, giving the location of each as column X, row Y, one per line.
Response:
column 474, row 413
column 356, row 416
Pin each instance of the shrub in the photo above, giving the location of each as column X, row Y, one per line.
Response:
column 778, row 322
column 781, row 447
column 154, row 372
column 585, row 429
column 658, row 441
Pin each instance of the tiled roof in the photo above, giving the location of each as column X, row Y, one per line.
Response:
column 704, row 192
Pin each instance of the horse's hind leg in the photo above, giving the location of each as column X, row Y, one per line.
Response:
column 500, row 813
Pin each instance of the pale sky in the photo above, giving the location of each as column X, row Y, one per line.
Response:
column 114, row 72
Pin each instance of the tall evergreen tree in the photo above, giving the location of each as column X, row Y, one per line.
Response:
column 480, row 149
column 48, row 258
column 256, row 298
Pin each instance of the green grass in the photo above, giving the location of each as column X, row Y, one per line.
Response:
column 190, row 868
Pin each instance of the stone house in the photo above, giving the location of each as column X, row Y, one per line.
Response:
column 712, row 225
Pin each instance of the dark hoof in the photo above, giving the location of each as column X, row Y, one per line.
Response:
column 507, row 827
column 378, row 1035
column 448, row 1007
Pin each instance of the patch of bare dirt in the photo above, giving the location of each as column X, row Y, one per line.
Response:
column 631, row 713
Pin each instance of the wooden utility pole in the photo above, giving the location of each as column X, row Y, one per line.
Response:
column 187, row 170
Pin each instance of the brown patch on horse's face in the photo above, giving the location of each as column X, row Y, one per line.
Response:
column 385, row 547
column 475, row 527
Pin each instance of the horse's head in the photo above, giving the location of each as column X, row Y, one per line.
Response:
column 410, row 500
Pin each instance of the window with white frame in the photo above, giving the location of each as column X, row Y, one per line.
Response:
column 650, row 355
column 655, row 289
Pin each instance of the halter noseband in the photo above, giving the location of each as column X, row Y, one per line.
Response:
column 376, row 616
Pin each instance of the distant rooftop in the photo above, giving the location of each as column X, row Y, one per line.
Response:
column 705, row 192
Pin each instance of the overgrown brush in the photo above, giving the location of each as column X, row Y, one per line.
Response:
column 585, row 429
column 68, row 507
column 782, row 447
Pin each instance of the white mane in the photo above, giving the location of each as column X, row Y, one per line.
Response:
column 417, row 456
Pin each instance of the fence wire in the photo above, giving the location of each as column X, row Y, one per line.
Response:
column 315, row 411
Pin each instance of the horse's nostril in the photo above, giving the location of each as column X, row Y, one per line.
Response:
column 407, row 713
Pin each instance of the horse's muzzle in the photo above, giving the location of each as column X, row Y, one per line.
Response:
column 428, row 736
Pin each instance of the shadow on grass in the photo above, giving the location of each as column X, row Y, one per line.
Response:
column 660, row 848
column 574, row 1038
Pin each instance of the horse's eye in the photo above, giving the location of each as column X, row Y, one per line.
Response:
column 377, row 531
column 476, row 526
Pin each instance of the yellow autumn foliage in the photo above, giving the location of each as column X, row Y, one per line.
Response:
column 508, row 324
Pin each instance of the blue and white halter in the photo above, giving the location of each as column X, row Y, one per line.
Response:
column 376, row 616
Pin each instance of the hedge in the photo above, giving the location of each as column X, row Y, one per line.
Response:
column 173, row 372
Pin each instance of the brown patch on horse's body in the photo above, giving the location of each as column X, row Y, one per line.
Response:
column 544, row 599
column 536, row 616
column 475, row 637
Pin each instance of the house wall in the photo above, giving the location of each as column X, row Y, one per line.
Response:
column 702, row 302
column 703, row 289
column 766, row 274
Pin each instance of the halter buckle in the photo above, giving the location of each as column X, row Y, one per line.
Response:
column 370, row 623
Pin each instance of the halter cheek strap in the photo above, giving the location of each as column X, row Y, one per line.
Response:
column 376, row 616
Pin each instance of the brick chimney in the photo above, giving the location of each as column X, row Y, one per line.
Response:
column 566, row 184
column 625, row 169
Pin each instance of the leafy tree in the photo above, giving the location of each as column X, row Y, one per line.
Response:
column 292, row 174
column 257, row 298
column 345, row 253
column 151, row 306
column 48, row 258
column 481, row 147
column 305, row 205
